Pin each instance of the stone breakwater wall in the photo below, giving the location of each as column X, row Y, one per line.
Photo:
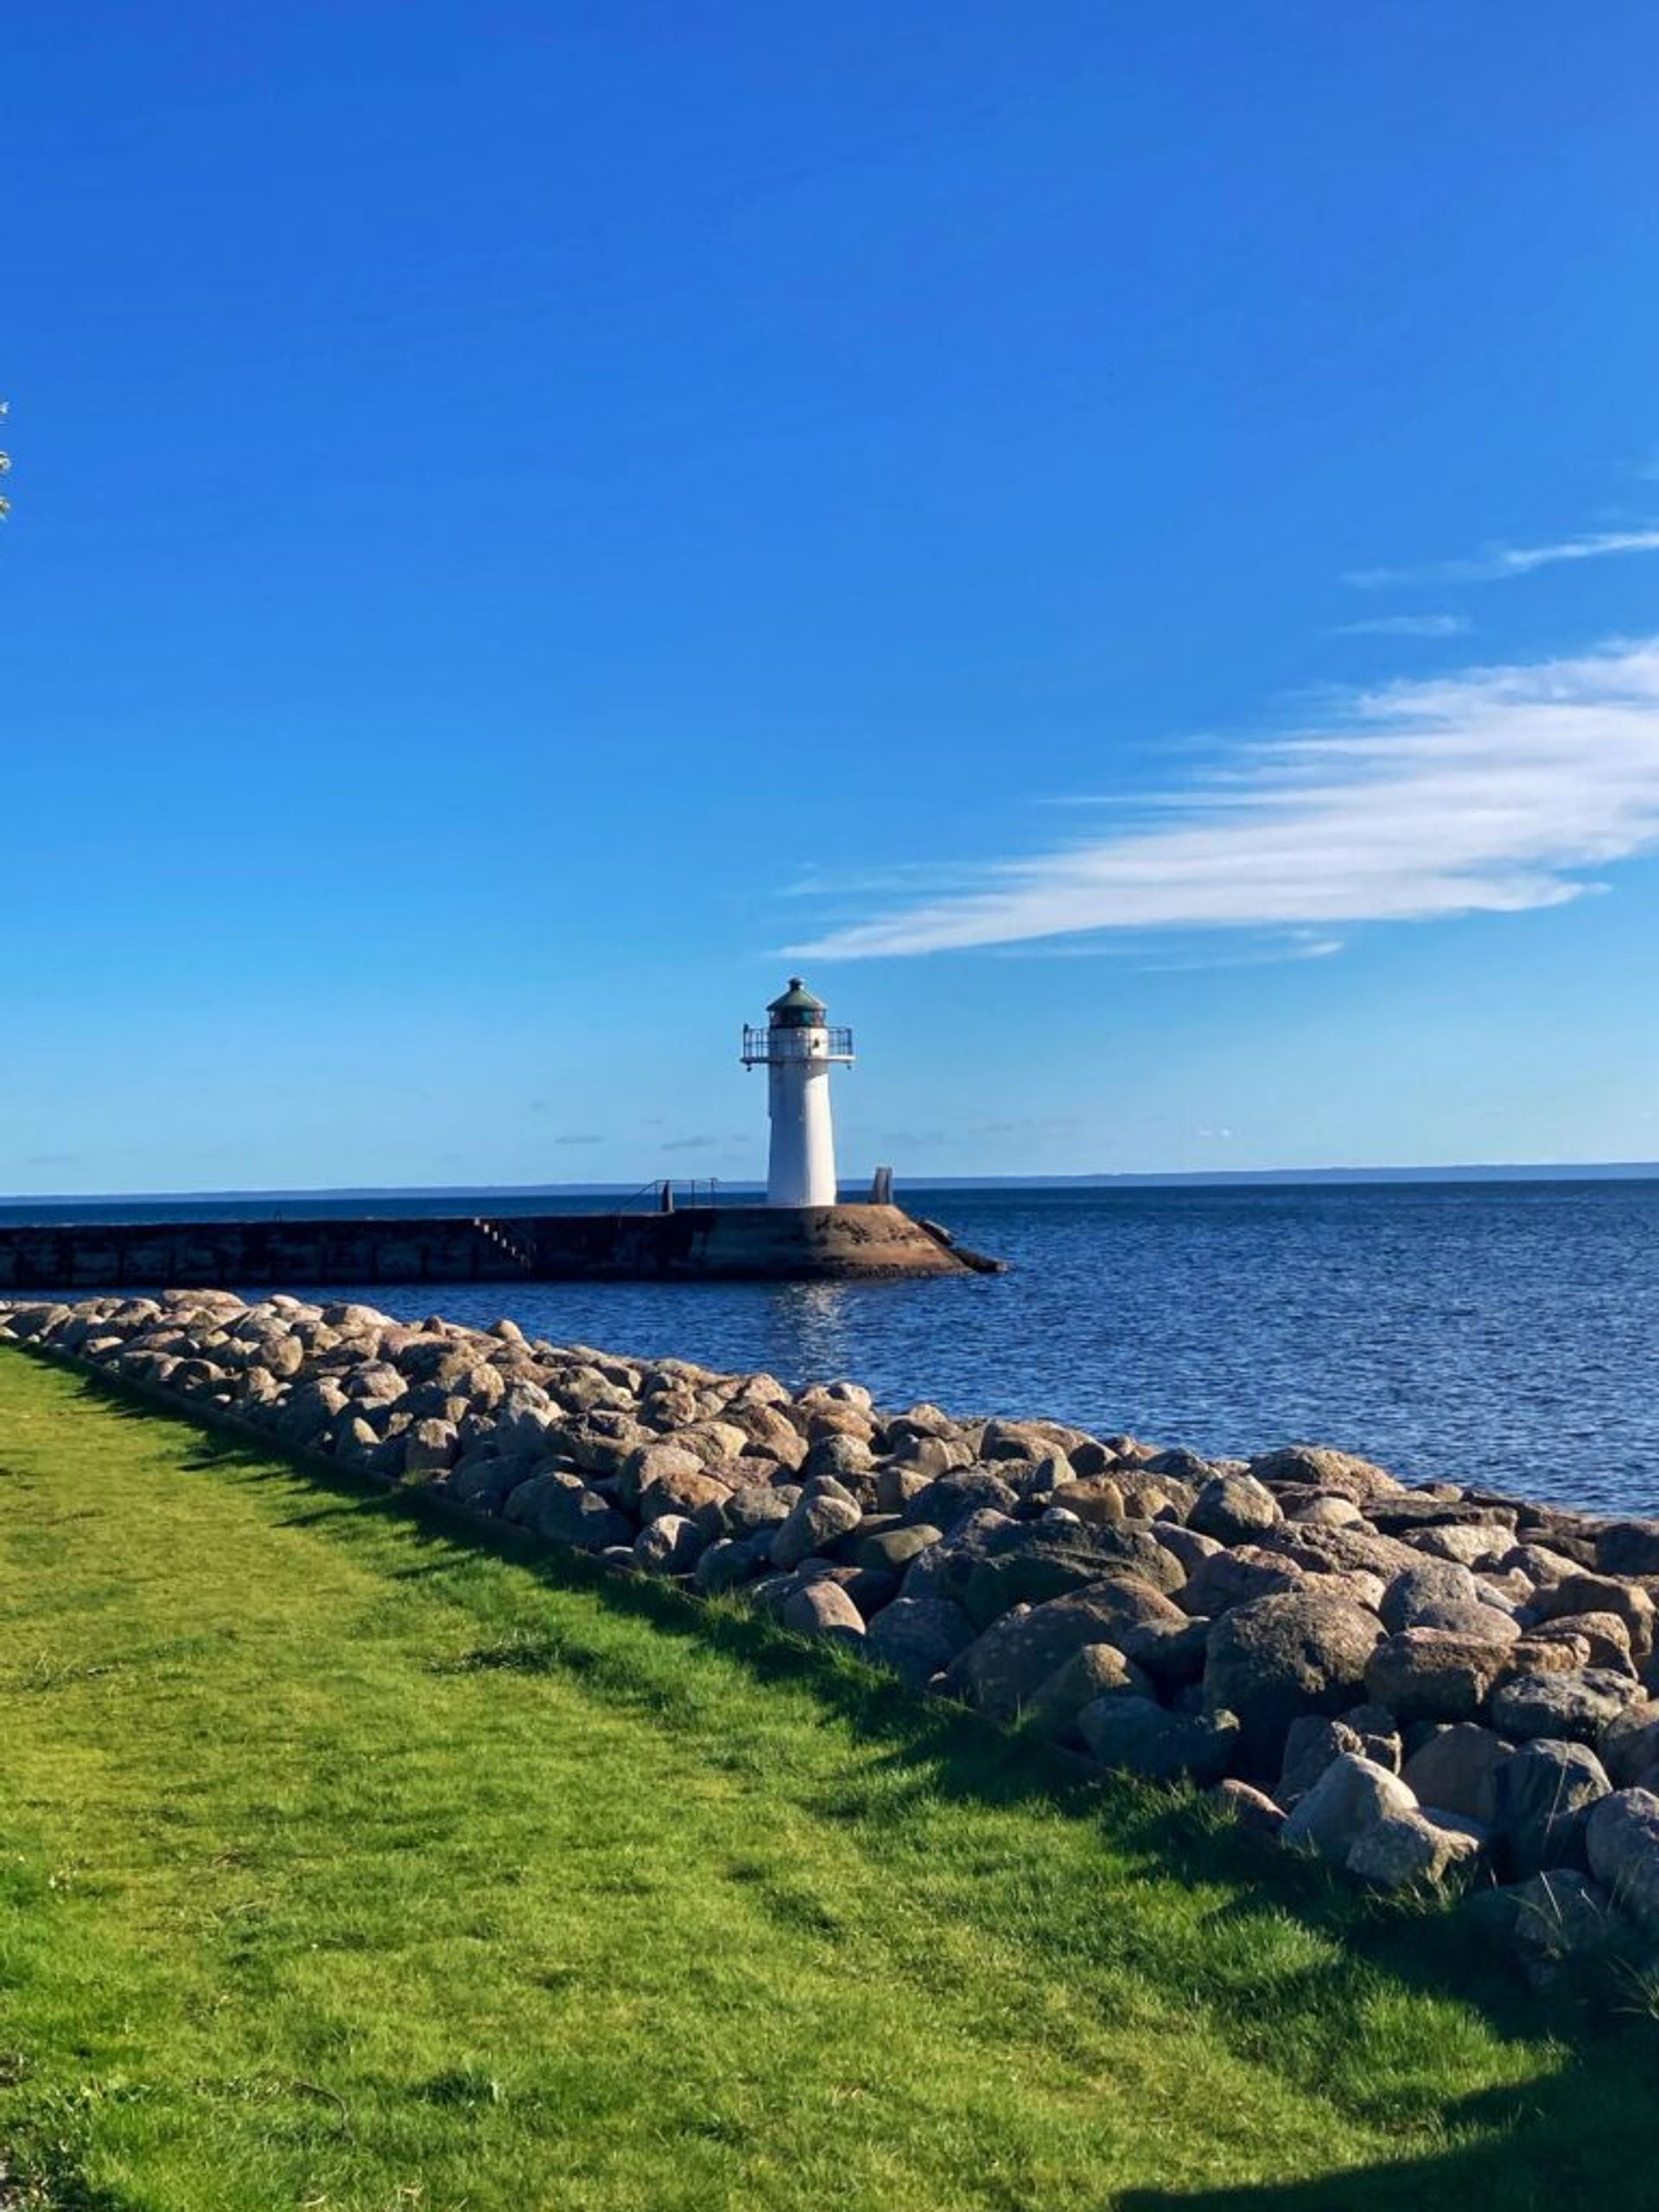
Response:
column 1410, row 1684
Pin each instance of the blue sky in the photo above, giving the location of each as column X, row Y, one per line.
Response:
column 1129, row 533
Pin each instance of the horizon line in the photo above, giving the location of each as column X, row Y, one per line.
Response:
column 1473, row 1171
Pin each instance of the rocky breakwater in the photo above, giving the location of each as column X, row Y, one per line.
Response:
column 1409, row 1684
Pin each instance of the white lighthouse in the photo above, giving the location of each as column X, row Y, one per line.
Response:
column 797, row 1049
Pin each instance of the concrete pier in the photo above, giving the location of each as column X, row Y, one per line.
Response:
column 695, row 1243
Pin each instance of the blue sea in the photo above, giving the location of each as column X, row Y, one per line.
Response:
column 1494, row 1332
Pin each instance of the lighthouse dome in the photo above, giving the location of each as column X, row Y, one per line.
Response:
column 796, row 1008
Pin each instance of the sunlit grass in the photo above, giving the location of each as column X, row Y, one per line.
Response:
column 345, row 1861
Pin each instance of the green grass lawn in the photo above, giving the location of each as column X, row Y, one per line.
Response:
column 347, row 1862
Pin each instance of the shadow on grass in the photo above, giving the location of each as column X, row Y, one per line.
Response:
column 1583, row 2131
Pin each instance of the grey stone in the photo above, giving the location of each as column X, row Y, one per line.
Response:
column 1351, row 1794
column 1028, row 1563
column 1233, row 1508
column 1465, row 1544
column 1629, row 1743
column 1138, row 1735
column 814, row 1522
column 893, row 1549
column 1325, row 1508
column 1439, row 1594
column 1310, row 1745
column 729, row 1562
column 1321, row 1468
column 759, row 1506
column 1576, row 1707
column 1431, row 1674
column 1561, row 1920
column 1378, row 1734
column 483, row 1481
column 1098, row 1670
column 1455, row 1770
column 1171, row 1651
column 942, row 1569
column 1622, row 1836
column 562, row 1509
column 948, row 1502
column 1227, row 1578
column 1185, row 1545
column 1541, row 1794
column 822, row 1608
column 1003, row 1669
column 1276, row 1658
column 671, row 1544
column 840, row 1455
column 431, row 1447
column 1628, row 1547
column 1404, row 1850
column 918, row 1637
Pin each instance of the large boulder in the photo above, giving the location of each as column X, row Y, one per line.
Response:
column 1351, row 1794
column 1576, row 1707
column 1629, row 1745
column 671, row 1544
column 1028, row 1563
column 1098, row 1670
column 1540, row 1797
column 1601, row 1594
column 483, row 1481
column 1093, row 1498
column 562, row 1509
column 1316, row 1466
column 650, row 1463
column 1234, row 1508
column 1227, row 1578
column 1276, row 1658
column 1437, row 1593
column 1455, row 1768
column 729, row 1562
column 756, row 1506
column 1560, row 1921
column 1171, row 1651
column 891, row 1550
column 822, row 1608
column 1003, row 1670
column 1622, row 1836
column 948, row 1502
column 1628, row 1547
column 1406, row 1850
column 817, row 1518
column 1313, row 1743
column 1433, row 1673
column 918, row 1637
column 1605, row 1636
column 700, row 1497
column 1138, row 1736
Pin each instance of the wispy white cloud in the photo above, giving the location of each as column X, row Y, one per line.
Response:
column 1405, row 626
column 1488, row 791
column 1498, row 562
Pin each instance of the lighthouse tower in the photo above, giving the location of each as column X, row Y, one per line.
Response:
column 797, row 1049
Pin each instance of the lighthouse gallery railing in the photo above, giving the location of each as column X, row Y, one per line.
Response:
column 759, row 1045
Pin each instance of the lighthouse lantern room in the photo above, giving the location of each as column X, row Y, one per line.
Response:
column 798, row 1048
